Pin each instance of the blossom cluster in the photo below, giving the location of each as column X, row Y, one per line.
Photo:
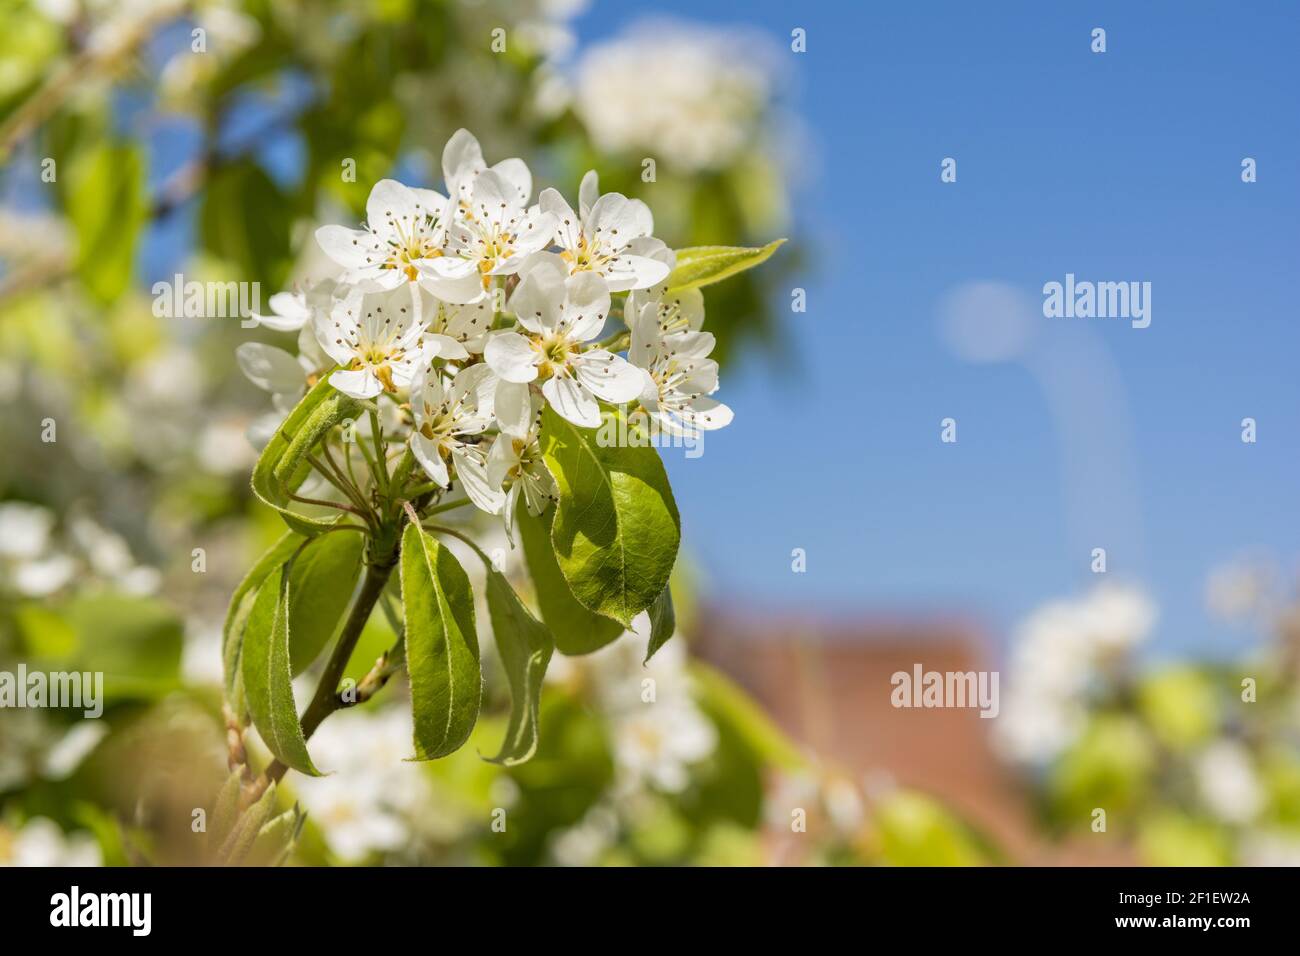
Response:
column 474, row 309
column 1062, row 648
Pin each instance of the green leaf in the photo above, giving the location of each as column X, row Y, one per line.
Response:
column 268, row 685
column 441, row 645
column 333, row 409
column 249, row 824
column 727, row 705
column 107, row 206
column 321, row 583
column 663, row 622
column 136, row 642
column 616, row 529
column 281, row 468
column 576, row 630
column 915, row 830
column 275, row 840
column 704, row 265
column 226, row 809
column 526, row 647
column 241, row 602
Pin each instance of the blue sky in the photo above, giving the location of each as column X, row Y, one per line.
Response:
column 1116, row 166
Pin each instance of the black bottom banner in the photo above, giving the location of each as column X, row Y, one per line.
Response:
column 344, row 906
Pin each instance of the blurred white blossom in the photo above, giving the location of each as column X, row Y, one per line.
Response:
column 1060, row 649
column 691, row 96
column 42, row 843
column 370, row 793
column 1225, row 776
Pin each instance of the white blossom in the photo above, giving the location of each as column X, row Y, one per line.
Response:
column 515, row 461
column 405, row 229
column 365, row 803
column 24, row 529
column 1226, row 778
column 558, row 314
column 446, row 415
column 1059, row 653
column 491, row 234
column 41, row 842
column 680, row 378
column 377, row 340
column 609, row 235
column 290, row 311
column 691, row 96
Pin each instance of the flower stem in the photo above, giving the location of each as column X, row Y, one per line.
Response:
column 381, row 461
column 445, row 506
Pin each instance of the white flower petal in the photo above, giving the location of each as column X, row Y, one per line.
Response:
column 586, row 305
column 444, row 347
column 457, row 290
column 501, row 458
column 572, row 402
column 462, row 160
column 609, row 376
column 269, row 368
column 634, row 272
column 534, row 233
column 448, row 268
column 476, row 386
column 430, row 459
column 351, row 248
column 588, row 193
column 511, row 356
column 472, row 472
column 538, row 298
column 616, row 220
column 515, row 409
column 361, row 383
column 393, row 205
column 709, row 413
column 515, row 172
column 568, row 228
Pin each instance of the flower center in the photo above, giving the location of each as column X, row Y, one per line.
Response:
column 586, row 257
column 555, row 351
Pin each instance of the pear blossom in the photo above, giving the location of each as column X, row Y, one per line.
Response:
column 655, row 743
column 448, row 413
column 515, row 460
column 290, row 311
column 609, row 235
column 464, row 326
column 376, row 339
column 285, row 376
column 405, row 228
column 558, row 314
column 680, row 312
column 462, row 162
column 1060, row 649
column 679, row 377
column 272, row 370
column 492, row 233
